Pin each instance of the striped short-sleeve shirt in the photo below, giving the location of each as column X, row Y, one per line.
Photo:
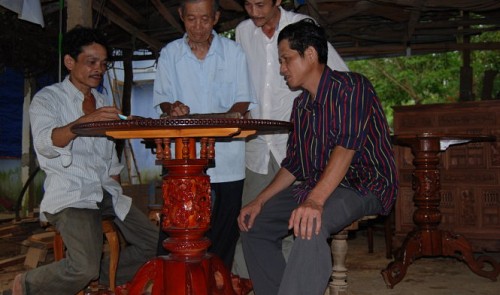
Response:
column 347, row 113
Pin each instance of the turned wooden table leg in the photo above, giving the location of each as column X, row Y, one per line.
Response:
column 427, row 239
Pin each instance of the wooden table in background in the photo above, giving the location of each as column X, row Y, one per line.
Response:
column 427, row 239
column 188, row 269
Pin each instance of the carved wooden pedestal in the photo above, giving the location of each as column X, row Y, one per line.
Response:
column 188, row 269
column 427, row 239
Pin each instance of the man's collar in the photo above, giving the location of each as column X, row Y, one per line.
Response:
column 215, row 46
column 324, row 85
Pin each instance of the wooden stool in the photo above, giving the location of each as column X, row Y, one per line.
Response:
column 155, row 213
column 338, row 284
column 109, row 230
column 388, row 230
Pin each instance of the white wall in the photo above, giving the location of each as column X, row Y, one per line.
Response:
column 141, row 105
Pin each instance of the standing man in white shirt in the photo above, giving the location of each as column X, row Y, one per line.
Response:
column 258, row 37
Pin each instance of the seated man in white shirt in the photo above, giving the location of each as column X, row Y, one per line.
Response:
column 82, row 177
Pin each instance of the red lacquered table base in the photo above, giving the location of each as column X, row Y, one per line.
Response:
column 188, row 269
column 427, row 239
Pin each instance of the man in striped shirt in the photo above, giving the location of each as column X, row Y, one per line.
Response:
column 339, row 148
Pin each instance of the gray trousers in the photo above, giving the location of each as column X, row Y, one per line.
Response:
column 254, row 184
column 81, row 231
column 310, row 264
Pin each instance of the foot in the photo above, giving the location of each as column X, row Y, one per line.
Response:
column 241, row 286
column 122, row 289
column 246, row 286
column 17, row 285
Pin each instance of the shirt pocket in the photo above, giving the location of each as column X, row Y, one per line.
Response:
column 103, row 148
column 224, row 95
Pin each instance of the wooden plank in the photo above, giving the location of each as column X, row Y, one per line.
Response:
column 34, row 256
column 44, row 240
column 12, row 261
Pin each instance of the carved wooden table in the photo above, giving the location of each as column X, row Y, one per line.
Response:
column 427, row 239
column 188, row 269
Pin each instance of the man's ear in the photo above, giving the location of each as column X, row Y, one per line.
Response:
column 69, row 62
column 216, row 17
column 180, row 14
column 311, row 54
column 278, row 3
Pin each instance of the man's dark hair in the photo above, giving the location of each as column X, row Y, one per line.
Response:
column 305, row 33
column 75, row 39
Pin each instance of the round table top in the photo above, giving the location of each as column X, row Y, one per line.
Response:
column 443, row 139
column 445, row 136
column 180, row 127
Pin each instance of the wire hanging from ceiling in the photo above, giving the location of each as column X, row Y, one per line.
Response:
column 59, row 39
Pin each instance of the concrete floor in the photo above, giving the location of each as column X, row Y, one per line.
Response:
column 427, row 276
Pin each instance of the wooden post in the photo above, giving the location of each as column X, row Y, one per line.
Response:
column 79, row 13
column 488, row 81
column 466, row 77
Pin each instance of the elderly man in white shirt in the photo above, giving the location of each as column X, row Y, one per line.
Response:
column 264, row 153
column 201, row 73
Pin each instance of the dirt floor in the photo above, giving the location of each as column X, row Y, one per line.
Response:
column 427, row 276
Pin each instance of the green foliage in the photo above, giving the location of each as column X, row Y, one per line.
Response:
column 229, row 34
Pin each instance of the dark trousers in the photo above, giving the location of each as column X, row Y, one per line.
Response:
column 81, row 231
column 309, row 265
column 224, row 231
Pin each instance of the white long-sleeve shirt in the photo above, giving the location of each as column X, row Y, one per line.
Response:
column 77, row 173
column 275, row 99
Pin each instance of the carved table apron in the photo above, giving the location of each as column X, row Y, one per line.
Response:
column 427, row 239
column 188, row 269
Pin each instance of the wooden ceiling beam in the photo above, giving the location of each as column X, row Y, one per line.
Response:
column 129, row 11
column 230, row 5
column 132, row 30
column 457, row 23
column 346, row 12
column 413, row 21
column 384, row 50
column 312, row 7
column 167, row 15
